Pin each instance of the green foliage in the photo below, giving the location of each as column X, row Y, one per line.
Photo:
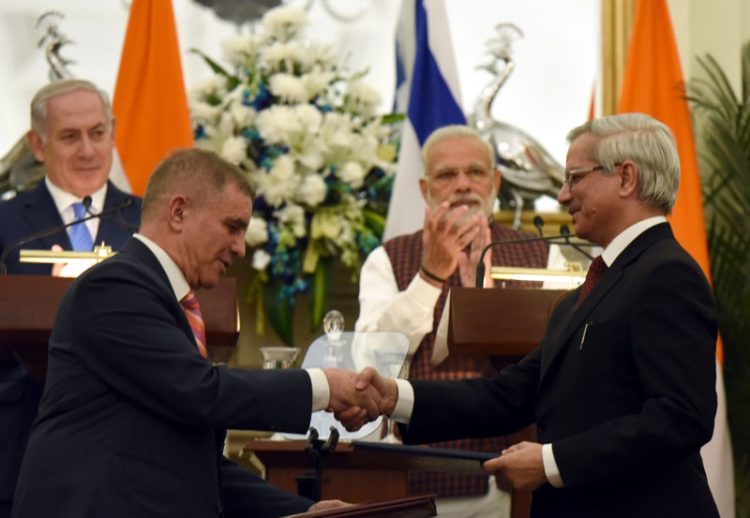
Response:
column 723, row 120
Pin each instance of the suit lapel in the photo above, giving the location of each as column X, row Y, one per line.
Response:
column 40, row 213
column 141, row 252
column 573, row 317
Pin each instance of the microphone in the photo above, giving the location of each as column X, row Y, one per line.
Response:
column 54, row 230
column 565, row 231
column 118, row 215
column 562, row 239
column 539, row 224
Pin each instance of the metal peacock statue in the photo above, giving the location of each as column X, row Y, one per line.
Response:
column 528, row 169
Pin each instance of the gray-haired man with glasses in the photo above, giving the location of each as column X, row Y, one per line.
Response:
column 622, row 387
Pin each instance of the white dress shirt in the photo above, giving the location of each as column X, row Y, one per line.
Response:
column 64, row 203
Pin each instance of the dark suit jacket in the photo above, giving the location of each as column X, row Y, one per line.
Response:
column 35, row 211
column 623, row 387
column 131, row 421
column 24, row 215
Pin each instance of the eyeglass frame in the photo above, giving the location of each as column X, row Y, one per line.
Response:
column 572, row 176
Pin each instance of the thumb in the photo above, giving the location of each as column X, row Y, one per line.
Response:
column 368, row 376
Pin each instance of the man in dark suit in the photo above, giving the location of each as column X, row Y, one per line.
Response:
column 71, row 132
column 132, row 419
column 622, row 388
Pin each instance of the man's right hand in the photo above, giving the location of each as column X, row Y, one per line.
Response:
column 386, row 387
column 445, row 234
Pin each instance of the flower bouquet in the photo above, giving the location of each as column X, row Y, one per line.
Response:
column 319, row 157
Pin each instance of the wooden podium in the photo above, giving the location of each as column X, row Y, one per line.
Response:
column 28, row 305
column 504, row 325
column 350, row 473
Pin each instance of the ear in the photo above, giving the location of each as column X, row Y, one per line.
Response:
column 177, row 211
column 35, row 143
column 112, row 129
column 629, row 179
column 498, row 179
column 424, row 187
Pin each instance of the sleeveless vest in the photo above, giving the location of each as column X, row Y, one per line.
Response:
column 405, row 254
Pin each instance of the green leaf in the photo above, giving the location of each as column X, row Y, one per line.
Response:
column 375, row 221
column 280, row 312
column 319, row 292
column 232, row 80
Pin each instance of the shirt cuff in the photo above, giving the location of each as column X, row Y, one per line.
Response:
column 321, row 392
column 550, row 466
column 422, row 292
column 405, row 402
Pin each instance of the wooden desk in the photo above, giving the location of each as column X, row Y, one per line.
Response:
column 354, row 475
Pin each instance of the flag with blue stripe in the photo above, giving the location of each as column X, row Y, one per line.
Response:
column 430, row 88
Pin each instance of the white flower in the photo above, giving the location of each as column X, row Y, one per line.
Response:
column 293, row 217
column 280, row 183
column 288, row 88
column 234, row 150
column 282, row 57
column 257, row 232
column 284, row 22
column 362, row 93
column 240, row 48
column 243, row 115
column 312, row 191
column 261, row 258
column 204, row 112
column 353, row 174
column 212, row 85
column 316, row 82
column 276, row 123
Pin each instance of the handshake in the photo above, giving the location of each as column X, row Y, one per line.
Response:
column 358, row 398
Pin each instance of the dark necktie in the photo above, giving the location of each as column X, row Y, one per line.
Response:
column 195, row 319
column 596, row 270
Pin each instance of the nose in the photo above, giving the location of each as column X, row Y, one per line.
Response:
column 87, row 147
column 463, row 182
column 239, row 247
column 564, row 196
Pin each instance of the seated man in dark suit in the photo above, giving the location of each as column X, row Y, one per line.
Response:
column 71, row 133
column 133, row 415
column 622, row 387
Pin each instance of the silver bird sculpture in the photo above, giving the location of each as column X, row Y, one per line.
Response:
column 528, row 169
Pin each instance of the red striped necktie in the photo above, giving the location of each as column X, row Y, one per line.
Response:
column 596, row 270
column 195, row 319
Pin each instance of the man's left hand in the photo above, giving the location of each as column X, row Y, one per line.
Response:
column 468, row 259
column 521, row 465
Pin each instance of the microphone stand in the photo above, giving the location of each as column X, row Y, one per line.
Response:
column 562, row 239
column 310, row 485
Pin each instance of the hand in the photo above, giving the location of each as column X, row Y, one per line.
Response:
column 386, row 387
column 469, row 260
column 73, row 269
column 327, row 504
column 521, row 465
column 446, row 232
column 352, row 406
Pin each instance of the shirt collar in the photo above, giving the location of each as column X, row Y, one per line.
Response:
column 63, row 199
column 177, row 280
column 627, row 236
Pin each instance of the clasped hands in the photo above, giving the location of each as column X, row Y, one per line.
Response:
column 358, row 398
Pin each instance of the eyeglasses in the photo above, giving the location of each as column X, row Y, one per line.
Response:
column 572, row 176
